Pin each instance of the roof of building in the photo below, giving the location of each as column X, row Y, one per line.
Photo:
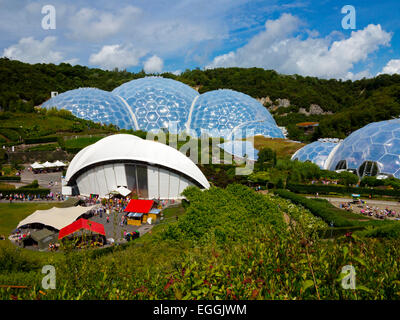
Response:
column 79, row 225
column 139, row 206
column 129, row 147
column 55, row 217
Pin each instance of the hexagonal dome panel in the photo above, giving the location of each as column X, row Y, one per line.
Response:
column 377, row 141
column 157, row 99
column 220, row 111
column 95, row 105
column 316, row 152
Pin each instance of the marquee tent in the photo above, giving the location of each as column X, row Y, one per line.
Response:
column 48, row 164
column 79, row 225
column 37, row 165
column 58, row 163
column 57, row 218
column 139, row 206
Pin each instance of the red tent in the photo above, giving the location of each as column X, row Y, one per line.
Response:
column 139, row 206
column 81, row 224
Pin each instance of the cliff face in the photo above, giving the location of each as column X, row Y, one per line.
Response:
column 314, row 109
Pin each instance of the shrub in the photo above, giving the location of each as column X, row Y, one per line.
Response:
column 321, row 208
column 336, row 189
column 40, row 140
column 10, row 178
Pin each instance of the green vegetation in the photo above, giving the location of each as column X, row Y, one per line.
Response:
column 74, row 145
column 341, row 190
column 343, row 219
column 230, row 244
column 354, row 104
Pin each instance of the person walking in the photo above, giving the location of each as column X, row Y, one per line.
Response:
column 108, row 219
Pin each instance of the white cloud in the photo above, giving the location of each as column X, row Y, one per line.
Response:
column 34, row 51
column 95, row 25
column 279, row 48
column 153, row 64
column 117, row 56
column 392, row 67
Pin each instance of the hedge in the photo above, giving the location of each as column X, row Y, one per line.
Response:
column 10, row 178
column 322, row 209
column 326, row 189
column 38, row 191
column 40, row 140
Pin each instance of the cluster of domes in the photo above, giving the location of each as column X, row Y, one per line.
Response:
column 154, row 103
column 373, row 149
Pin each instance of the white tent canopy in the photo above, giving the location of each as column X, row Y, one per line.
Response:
column 48, row 165
column 37, row 165
column 123, row 191
column 57, row 218
column 58, row 163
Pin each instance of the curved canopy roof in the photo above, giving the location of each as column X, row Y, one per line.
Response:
column 377, row 141
column 55, row 217
column 130, row 147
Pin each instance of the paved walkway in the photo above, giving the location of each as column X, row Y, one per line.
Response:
column 369, row 201
column 44, row 179
column 114, row 230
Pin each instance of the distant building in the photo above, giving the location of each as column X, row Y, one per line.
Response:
column 308, row 127
column 149, row 169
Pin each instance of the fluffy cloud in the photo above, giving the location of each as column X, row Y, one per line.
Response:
column 117, row 56
column 34, row 51
column 279, row 48
column 95, row 25
column 153, row 64
column 393, row 66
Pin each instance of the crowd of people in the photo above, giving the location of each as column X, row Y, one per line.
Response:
column 371, row 211
column 21, row 196
column 379, row 213
column 54, row 246
column 19, row 235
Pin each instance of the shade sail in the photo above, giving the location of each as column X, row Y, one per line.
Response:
column 123, row 191
column 57, row 218
column 140, row 206
column 82, row 224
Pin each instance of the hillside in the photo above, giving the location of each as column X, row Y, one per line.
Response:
column 340, row 106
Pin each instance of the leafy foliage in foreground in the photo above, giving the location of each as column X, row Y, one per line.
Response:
column 275, row 260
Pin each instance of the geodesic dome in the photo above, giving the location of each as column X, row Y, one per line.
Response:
column 154, row 103
column 377, row 142
column 221, row 112
column 316, row 152
column 157, row 101
column 95, row 105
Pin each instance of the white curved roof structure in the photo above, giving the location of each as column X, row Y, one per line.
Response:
column 57, row 218
column 132, row 148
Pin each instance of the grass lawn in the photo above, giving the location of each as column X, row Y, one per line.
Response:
column 170, row 215
column 283, row 148
column 81, row 142
column 12, row 214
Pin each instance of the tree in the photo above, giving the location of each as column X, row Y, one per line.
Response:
column 266, row 159
column 347, row 178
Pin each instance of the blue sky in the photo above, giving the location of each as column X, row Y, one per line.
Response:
column 303, row 37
